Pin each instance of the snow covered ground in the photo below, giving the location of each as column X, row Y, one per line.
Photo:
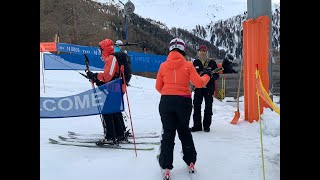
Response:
column 227, row 152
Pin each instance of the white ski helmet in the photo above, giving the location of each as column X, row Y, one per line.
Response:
column 177, row 43
column 119, row 42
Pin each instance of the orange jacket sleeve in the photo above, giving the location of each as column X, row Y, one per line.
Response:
column 159, row 81
column 197, row 80
column 110, row 68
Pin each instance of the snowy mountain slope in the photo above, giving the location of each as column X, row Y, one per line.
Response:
column 219, row 22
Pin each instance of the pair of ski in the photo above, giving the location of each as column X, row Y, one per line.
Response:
column 95, row 141
column 100, row 136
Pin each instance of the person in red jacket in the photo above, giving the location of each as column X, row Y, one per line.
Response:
column 113, row 123
column 175, row 104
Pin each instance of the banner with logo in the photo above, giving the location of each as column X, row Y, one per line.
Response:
column 104, row 99
column 72, row 62
column 71, row 57
column 77, row 49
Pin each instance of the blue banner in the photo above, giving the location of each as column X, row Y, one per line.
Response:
column 74, row 59
column 104, row 99
column 76, row 49
column 71, row 61
column 142, row 62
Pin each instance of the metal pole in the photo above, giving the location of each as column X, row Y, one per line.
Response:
column 255, row 9
column 121, row 2
column 126, row 28
column 128, row 9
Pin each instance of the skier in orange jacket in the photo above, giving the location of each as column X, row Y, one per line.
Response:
column 113, row 123
column 175, row 105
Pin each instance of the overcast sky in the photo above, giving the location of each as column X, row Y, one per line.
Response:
column 188, row 13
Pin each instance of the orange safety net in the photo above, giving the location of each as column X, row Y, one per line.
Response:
column 256, row 51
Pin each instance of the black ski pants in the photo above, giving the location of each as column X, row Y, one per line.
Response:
column 175, row 112
column 113, row 126
column 199, row 95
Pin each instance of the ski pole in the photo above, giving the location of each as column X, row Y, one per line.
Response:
column 69, row 67
column 132, row 44
column 42, row 61
column 86, row 60
column 125, row 83
column 261, row 143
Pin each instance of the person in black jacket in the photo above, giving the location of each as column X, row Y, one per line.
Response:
column 203, row 64
column 227, row 64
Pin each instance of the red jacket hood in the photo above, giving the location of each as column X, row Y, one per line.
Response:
column 107, row 47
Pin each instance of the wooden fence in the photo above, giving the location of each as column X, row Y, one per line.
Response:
column 232, row 81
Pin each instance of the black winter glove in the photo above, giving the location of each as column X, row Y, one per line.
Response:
column 208, row 72
column 99, row 83
column 92, row 76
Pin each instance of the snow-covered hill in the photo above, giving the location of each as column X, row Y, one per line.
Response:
column 219, row 22
column 226, row 34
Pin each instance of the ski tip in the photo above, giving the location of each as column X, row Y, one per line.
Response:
column 61, row 137
column 53, row 141
column 71, row 136
column 72, row 133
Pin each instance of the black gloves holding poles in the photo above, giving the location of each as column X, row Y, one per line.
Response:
column 92, row 76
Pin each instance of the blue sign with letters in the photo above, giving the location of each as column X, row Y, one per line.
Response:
column 77, row 49
column 142, row 62
column 104, row 99
column 72, row 58
column 71, row 61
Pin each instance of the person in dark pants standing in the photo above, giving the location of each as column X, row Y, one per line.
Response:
column 206, row 93
column 175, row 104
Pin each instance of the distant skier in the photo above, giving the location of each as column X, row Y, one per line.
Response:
column 227, row 64
column 127, row 63
column 117, row 47
column 175, row 105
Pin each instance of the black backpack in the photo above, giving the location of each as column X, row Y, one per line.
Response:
column 124, row 59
